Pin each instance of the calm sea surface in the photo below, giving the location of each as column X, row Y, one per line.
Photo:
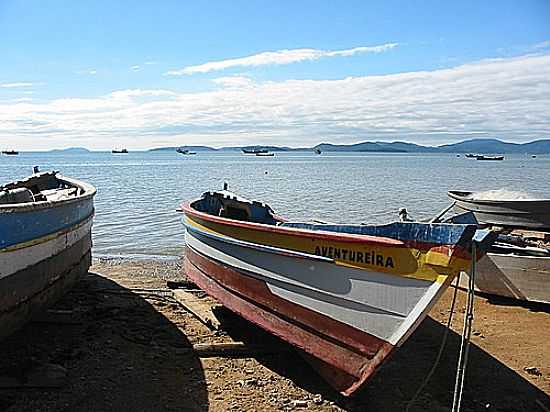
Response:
column 138, row 193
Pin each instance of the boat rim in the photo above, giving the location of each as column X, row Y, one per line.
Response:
column 187, row 209
column 89, row 192
column 460, row 196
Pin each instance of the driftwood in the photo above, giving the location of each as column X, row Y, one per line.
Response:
column 200, row 309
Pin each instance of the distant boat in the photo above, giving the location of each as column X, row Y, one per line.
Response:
column 470, row 155
column 254, row 150
column 264, row 154
column 121, row 151
column 482, row 157
column 533, row 156
column 185, row 151
column 10, row 152
column 45, row 243
column 347, row 295
column 521, row 213
column 317, row 151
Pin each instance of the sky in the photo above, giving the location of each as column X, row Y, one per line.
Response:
column 142, row 74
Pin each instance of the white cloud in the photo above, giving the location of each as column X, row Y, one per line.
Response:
column 17, row 84
column 135, row 68
column 278, row 57
column 541, row 45
column 506, row 98
column 233, row 81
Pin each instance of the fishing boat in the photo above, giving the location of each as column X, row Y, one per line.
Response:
column 346, row 295
column 45, row 243
column 254, row 150
column 10, row 152
column 183, row 151
column 483, row 157
column 517, row 213
column 266, row 154
column 119, row 151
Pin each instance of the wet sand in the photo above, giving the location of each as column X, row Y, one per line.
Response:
column 119, row 341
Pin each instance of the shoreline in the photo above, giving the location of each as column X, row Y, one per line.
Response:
column 126, row 346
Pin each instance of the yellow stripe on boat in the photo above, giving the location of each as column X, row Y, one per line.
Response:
column 429, row 265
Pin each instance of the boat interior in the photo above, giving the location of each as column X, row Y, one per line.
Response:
column 229, row 205
column 40, row 187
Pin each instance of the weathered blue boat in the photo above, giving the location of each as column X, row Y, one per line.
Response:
column 45, row 243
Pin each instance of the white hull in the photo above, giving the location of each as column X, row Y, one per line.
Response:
column 386, row 306
column 519, row 277
column 12, row 261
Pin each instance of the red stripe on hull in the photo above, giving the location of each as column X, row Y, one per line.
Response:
column 346, row 357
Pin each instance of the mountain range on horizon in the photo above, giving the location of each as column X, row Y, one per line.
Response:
column 482, row 146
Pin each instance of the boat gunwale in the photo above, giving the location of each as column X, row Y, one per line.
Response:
column 459, row 195
column 89, row 192
column 187, row 209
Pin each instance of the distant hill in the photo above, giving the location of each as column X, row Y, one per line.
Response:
column 481, row 146
column 191, row 148
column 71, row 150
column 496, row 146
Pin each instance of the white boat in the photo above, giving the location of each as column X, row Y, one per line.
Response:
column 347, row 295
column 521, row 273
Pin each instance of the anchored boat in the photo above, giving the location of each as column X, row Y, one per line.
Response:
column 45, row 243
column 347, row 295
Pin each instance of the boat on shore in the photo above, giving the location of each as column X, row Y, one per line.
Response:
column 483, row 157
column 516, row 266
column 45, row 243
column 119, row 151
column 346, row 295
column 10, row 152
column 516, row 213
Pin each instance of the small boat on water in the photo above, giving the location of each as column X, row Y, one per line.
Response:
column 317, row 151
column 471, row 155
column 254, row 150
column 45, row 243
column 267, row 154
column 10, row 152
column 347, row 295
column 119, row 151
column 517, row 213
column 482, row 157
column 183, row 151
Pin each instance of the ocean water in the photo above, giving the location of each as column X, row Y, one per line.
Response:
column 139, row 192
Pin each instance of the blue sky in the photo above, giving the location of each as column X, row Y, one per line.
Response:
column 143, row 74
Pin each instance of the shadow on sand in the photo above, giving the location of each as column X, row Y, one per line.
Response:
column 117, row 352
column 490, row 384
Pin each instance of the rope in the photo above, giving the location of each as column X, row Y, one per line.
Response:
column 466, row 334
column 441, row 348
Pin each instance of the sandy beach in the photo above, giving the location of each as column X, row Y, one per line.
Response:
column 120, row 341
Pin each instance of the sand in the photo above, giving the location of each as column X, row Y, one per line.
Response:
column 120, row 342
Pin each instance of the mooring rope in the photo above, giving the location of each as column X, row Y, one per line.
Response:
column 466, row 334
column 441, row 348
